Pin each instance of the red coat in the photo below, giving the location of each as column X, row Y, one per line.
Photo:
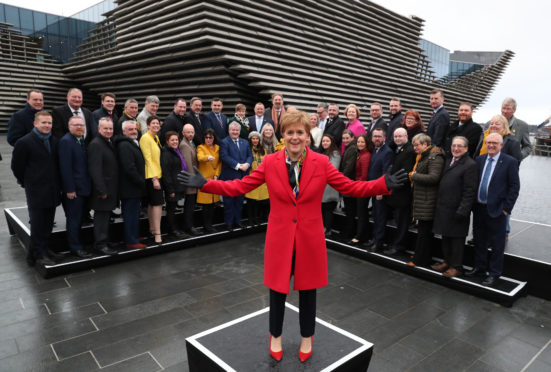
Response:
column 296, row 224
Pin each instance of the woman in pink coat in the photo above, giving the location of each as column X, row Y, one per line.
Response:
column 295, row 242
column 352, row 112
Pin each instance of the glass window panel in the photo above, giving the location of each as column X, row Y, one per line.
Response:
column 39, row 21
column 12, row 16
column 2, row 15
column 53, row 24
column 26, row 18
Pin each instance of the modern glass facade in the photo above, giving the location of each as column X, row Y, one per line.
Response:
column 95, row 12
column 59, row 36
column 439, row 57
column 458, row 69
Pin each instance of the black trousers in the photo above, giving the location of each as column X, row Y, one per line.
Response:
column 327, row 214
column 350, row 216
column 452, row 248
column 423, row 246
column 402, row 217
column 379, row 219
column 171, row 204
column 42, row 223
column 101, row 228
column 189, row 208
column 362, row 225
column 208, row 213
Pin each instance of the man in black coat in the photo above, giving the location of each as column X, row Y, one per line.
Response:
column 440, row 120
column 400, row 199
column 107, row 109
column 334, row 125
column 34, row 165
column 377, row 121
column 216, row 120
column 104, row 171
column 22, row 122
column 131, row 182
column 62, row 114
column 195, row 118
column 394, row 119
column 456, row 195
column 75, row 182
column 464, row 127
column 175, row 120
column 130, row 112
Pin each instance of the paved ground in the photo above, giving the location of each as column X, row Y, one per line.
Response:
column 135, row 316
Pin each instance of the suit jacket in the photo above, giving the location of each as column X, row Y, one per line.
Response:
column 118, row 126
column 295, row 223
column 131, row 168
column 403, row 159
column 511, row 146
column 198, row 125
column 73, row 166
column 211, row 121
column 172, row 122
column 504, row 185
column 456, row 195
column 520, row 130
column 37, row 170
column 189, row 154
column 61, row 116
column 379, row 123
column 252, row 122
column 469, row 130
column 394, row 123
column 231, row 156
column 20, row 123
column 102, row 113
column 380, row 161
column 334, row 128
column 104, row 172
column 438, row 126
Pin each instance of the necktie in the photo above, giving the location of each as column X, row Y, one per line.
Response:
column 75, row 112
column 236, row 143
column 110, row 115
column 483, row 193
column 452, row 162
column 197, row 117
column 219, row 120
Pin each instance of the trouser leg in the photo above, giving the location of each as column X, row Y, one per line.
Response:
column 189, row 208
column 277, row 312
column 101, row 228
column 307, row 312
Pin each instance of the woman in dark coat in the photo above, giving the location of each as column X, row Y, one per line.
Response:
column 456, row 195
column 425, row 178
column 172, row 163
column 363, row 158
column 413, row 124
column 348, row 168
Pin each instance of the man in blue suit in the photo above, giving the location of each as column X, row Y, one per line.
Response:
column 217, row 121
column 237, row 158
column 440, row 121
column 258, row 120
column 107, row 109
column 497, row 193
column 381, row 159
column 75, row 182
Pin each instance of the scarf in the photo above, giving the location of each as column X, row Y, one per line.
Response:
column 276, row 118
column 294, row 171
column 483, row 149
column 45, row 138
column 417, row 159
column 184, row 165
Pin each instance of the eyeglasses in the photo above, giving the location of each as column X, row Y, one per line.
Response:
column 209, row 137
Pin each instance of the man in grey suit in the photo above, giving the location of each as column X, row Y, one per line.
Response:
column 518, row 128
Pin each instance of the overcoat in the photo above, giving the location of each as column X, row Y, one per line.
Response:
column 425, row 183
column 104, row 172
column 404, row 159
column 209, row 169
column 295, row 224
column 456, row 195
column 132, row 168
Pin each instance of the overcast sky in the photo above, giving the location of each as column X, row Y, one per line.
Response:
column 520, row 26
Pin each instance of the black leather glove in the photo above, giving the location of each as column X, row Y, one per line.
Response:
column 395, row 180
column 192, row 180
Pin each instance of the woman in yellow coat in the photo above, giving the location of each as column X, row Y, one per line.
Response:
column 257, row 199
column 210, row 166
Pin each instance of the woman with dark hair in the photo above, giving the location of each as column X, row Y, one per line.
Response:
column 172, row 163
column 257, row 199
column 210, row 166
column 330, row 198
column 151, row 151
column 295, row 244
column 364, row 149
column 413, row 124
column 348, row 168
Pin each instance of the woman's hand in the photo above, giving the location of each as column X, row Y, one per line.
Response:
column 210, row 158
column 156, row 184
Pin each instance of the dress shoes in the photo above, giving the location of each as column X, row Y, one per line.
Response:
column 210, row 230
column 179, row 234
column 374, row 247
column 238, row 226
column 193, row 232
column 229, row 228
column 45, row 261
column 305, row 356
column 55, row 256
column 489, row 281
column 452, row 272
column 470, row 242
column 475, row 272
column 440, row 267
column 390, row 251
column 277, row 355
column 81, row 253
column 107, row 251
column 136, row 246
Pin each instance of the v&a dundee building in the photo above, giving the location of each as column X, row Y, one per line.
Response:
column 242, row 51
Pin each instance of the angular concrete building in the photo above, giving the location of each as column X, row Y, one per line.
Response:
column 243, row 51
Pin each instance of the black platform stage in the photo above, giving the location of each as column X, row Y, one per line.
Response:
column 526, row 263
column 239, row 346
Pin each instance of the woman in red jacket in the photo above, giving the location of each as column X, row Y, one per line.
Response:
column 295, row 243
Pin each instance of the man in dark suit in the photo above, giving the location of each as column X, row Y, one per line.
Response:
column 334, row 125
column 394, row 119
column 377, row 121
column 22, row 122
column 130, row 113
column 400, row 199
column 258, row 120
column 237, row 158
column 75, row 182
column 175, row 120
column 195, row 118
column 215, row 120
column 34, row 165
column 104, row 172
column 440, row 120
column 464, row 127
column 381, row 159
column 107, row 109
column 497, row 193
column 62, row 114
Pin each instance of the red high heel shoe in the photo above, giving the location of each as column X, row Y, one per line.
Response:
column 305, row 356
column 277, row 355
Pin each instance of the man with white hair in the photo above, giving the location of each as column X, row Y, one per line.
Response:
column 151, row 107
column 518, row 128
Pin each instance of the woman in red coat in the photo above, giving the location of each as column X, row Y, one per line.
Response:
column 295, row 242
